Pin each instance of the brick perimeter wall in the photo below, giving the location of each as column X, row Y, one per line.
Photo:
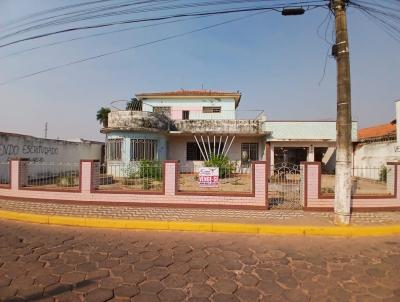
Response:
column 316, row 200
column 89, row 177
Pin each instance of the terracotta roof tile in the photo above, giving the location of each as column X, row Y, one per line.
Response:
column 377, row 131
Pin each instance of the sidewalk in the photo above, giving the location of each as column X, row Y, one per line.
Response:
column 273, row 217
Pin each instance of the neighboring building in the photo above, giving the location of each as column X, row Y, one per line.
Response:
column 190, row 125
column 41, row 150
column 378, row 144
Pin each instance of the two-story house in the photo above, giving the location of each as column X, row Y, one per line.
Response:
column 189, row 126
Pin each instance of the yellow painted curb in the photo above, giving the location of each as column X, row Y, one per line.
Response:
column 380, row 230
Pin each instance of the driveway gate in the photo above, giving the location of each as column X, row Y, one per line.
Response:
column 284, row 186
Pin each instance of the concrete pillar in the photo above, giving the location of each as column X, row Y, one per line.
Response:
column 310, row 153
column 19, row 173
column 170, row 177
column 85, row 182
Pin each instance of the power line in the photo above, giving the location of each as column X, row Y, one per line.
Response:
column 96, row 35
column 170, row 37
column 226, row 11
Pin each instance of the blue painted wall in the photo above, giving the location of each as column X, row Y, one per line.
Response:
column 127, row 136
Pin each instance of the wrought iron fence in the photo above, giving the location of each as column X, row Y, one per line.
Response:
column 284, row 186
column 4, row 173
column 52, row 175
column 365, row 180
column 232, row 177
column 136, row 175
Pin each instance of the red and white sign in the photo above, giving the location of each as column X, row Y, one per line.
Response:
column 209, row 177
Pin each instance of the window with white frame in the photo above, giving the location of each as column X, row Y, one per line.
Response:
column 249, row 152
column 143, row 149
column 114, row 149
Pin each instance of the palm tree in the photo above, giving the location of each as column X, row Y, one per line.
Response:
column 102, row 116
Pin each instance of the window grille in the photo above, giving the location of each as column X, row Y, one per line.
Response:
column 114, row 149
column 193, row 151
column 143, row 149
column 211, row 109
column 251, row 149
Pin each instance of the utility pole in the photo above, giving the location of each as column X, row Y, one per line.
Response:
column 45, row 130
column 343, row 182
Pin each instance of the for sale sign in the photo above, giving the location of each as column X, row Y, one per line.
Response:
column 209, row 177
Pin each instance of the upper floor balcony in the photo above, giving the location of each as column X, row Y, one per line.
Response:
column 232, row 122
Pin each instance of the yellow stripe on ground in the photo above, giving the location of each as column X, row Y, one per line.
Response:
column 376, row 230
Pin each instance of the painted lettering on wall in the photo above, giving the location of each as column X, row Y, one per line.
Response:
column 37, row 151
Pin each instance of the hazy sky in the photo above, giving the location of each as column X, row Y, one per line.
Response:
column 276, row 62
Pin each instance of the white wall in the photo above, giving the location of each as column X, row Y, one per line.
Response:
column 374, row 155
column 304, row 130
column 41, row 150
column 194, row 105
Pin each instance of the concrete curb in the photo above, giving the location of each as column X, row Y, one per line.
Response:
column 376, row 230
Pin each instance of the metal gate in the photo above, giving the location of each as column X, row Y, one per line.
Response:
column 284, row 186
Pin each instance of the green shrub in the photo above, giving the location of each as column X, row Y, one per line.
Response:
column 222, row 162
column 383, row 173
column 66, row 181
column 150, row 169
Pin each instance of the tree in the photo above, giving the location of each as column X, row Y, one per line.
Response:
column 102, row 116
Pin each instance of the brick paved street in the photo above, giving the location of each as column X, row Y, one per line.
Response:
column 54, row 263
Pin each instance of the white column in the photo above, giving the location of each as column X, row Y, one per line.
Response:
column 310, row 154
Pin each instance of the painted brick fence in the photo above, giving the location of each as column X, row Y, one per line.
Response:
column 169, row 196
column 314, row 199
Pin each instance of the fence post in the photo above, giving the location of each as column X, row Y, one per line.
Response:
column 303, row 172
column 170, row 177
column 260, row 175
column 85, row 176
column 19, row 173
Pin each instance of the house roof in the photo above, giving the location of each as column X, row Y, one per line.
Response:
column 192, row 94
column 378, row 131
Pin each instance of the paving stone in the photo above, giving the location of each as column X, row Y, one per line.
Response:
column 134, row 277
column 97, row 274
column 163, row 261
column 157, row 273
column 198, row 263
column 86, row 267
column 99, row 295
column 110, row 282
column 68, row 297
column 196, row 276
column 179, row 268
column 225, row 286
column 175, row 281
column 172, row 295
column 153, row 287
column 126, row 291
column 202, row 291
column 4, row 281
column 72, row 277
column 247, row 280
column 117, row 253
column 249, row 294
column 198, row 299
column 8, row 291
column 143, row 265
column 381, row 291
column 22, row 282
column 224, row 298
column 145, row 297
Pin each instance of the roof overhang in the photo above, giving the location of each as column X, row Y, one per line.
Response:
column 188, row 95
